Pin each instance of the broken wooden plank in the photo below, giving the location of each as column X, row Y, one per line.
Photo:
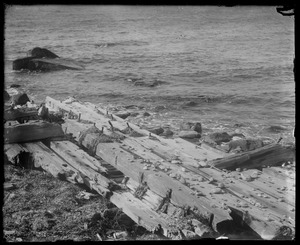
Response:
column 20, row 114
column 31, row 131
column 273, row 154
column 12, row 151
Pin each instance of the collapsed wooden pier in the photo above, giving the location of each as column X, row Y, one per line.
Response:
column 159, row 181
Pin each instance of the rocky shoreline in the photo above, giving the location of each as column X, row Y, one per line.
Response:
column 44, row 224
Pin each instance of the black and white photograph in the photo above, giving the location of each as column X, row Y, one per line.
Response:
column 148, row 122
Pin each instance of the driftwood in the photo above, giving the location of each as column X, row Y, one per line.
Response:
column 270, row 155
column 31, row 131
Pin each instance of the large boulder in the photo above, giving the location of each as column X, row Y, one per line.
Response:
column 42, row 53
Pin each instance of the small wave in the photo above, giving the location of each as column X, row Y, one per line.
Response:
column 121, row 43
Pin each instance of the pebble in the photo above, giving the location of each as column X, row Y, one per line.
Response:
column 183, row 169
column 238, row 169
column 199, row 193
column 146, row 168
column 221, row 185
column 176, row 162
column 280, row 200
column 172, row 175
column 201, row 179
column 19, row 239
column 217, row 191
column 210, row 180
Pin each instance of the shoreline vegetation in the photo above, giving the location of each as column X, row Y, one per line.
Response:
column 75, row 171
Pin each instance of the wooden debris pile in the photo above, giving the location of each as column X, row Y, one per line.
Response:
column 167, row 185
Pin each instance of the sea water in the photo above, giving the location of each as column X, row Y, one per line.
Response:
column 230, row 68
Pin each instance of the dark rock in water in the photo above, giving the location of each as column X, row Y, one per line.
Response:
column 189, row 134
column 195, row 126
column 20, row 99
column 159, row 108
column 24, row 63
column 156, row 131
column 246, row 144
column 42, row 53
column 167, row 132
column 134, row 114
column 217, row 138
column 6, row 96
column 44, row 60
column 123, row 114
column 15, row 86
column 276, row 129
column 146, row 114
column 191, row 103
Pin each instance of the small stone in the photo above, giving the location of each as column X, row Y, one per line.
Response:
column 238, row 169
column 254, row 175
column 172, row 175
column 292, row 209
column 176, row 162
column 217, row 191
column 221, row 185
column 182, row 180
column 280, row 200
column 211, row 180
column 146, row 168
column 201, row 179
column 183, row 169
column 199, row 193
column 19, row 239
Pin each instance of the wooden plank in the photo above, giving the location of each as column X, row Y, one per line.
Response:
column 31, row 131
column 84, row 166
column 43, row 157
column 12, row 151
column 136, row 210
column 273, row 154
column 17, row 114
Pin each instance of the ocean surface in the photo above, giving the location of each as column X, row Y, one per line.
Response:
column 230, row 68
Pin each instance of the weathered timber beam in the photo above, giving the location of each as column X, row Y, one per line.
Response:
column 12, row 151
column 31, row 131
column 273, row 154
column 84, row 166
column 46, row 159
column 17, row 114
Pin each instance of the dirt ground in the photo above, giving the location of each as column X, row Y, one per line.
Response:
column 39, row 207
